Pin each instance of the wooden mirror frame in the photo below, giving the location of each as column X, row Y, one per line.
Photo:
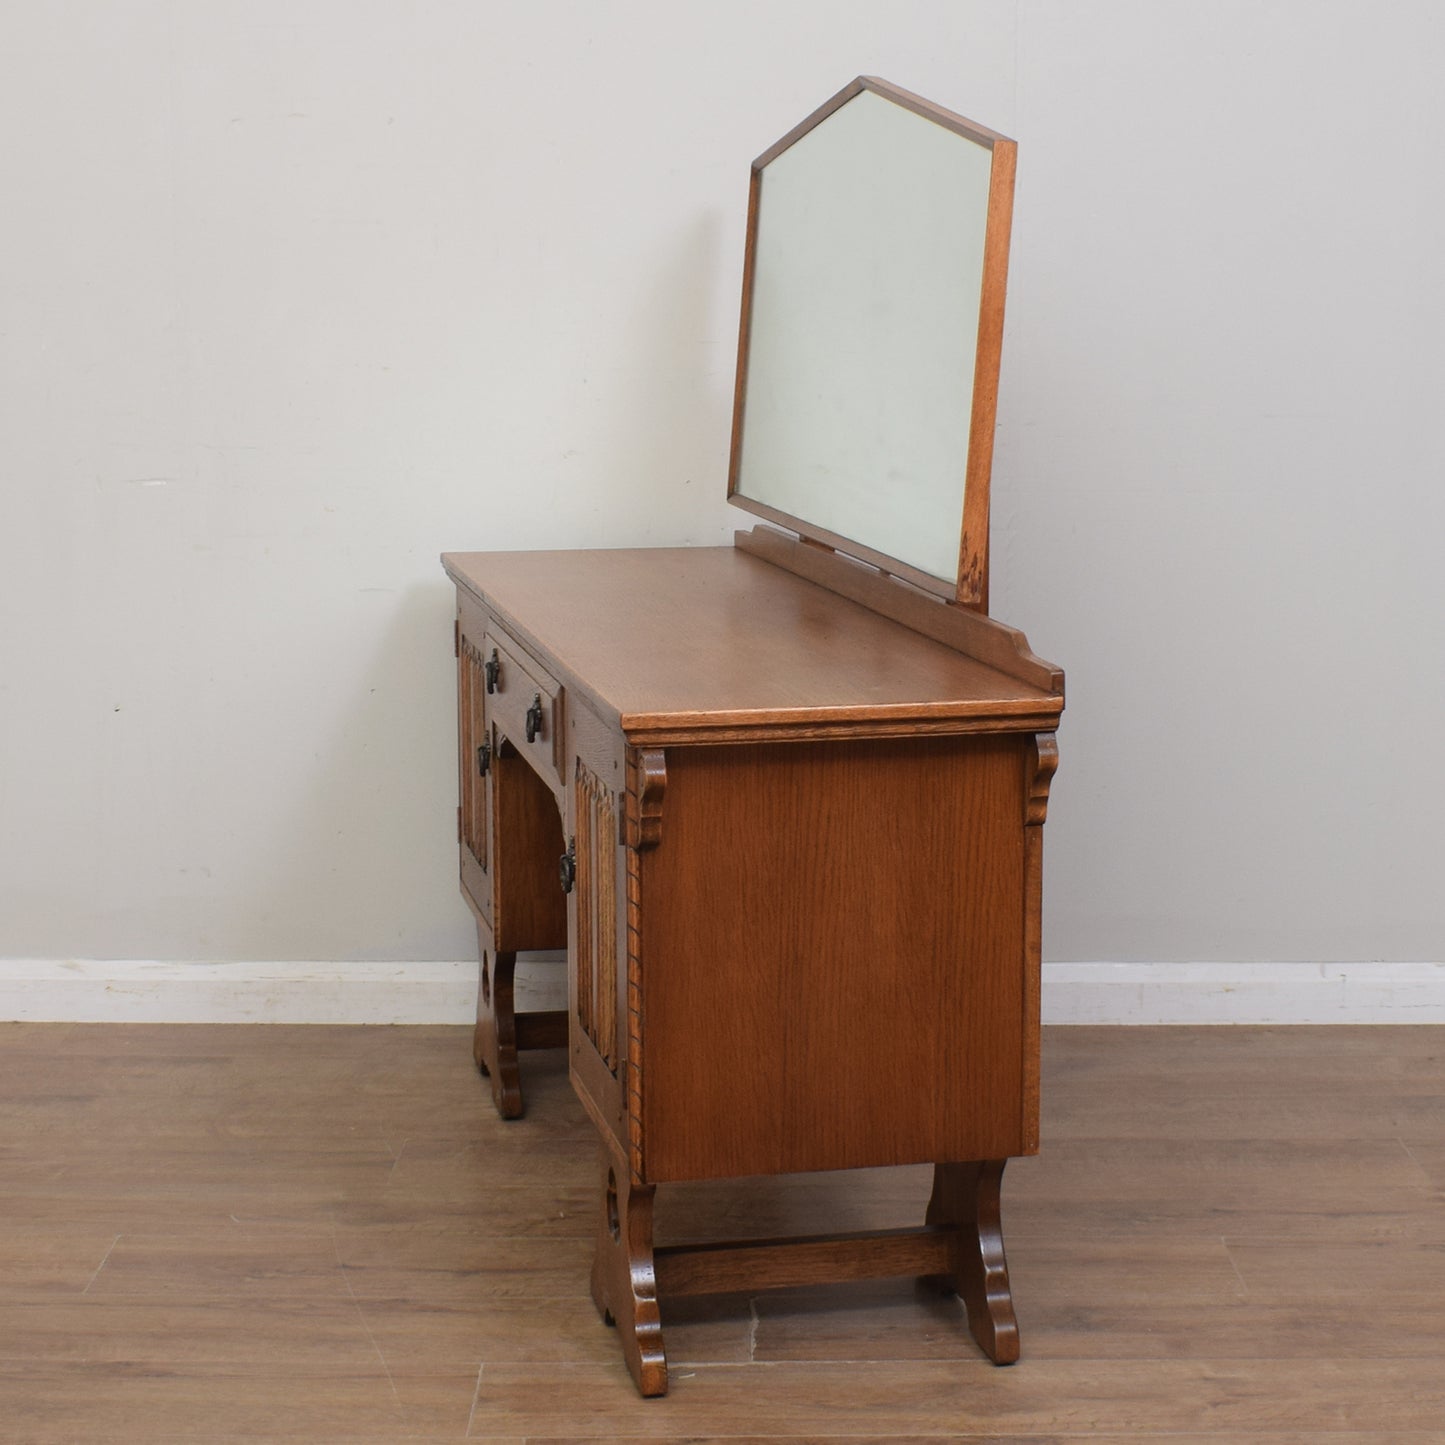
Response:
column 970, row 587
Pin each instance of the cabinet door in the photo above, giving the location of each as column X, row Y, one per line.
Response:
column 510, row 825
column 474, row 761
column 597, row 914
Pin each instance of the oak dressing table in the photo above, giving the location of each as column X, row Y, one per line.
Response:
column 782, row 802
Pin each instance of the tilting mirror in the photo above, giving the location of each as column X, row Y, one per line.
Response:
column 868, row 353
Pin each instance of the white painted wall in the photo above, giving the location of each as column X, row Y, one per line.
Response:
column 294, row 296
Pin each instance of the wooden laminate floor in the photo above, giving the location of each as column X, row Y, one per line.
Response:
column 325, row 1234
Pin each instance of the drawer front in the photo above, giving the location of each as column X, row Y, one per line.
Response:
column 524, row 703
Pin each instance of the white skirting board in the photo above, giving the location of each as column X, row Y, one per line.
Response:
column 138, row 991
column 1244, row 993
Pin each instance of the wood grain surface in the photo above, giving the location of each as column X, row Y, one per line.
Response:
column 682, row 643
column 316, row 1234
column 874, row 983
column 968, row 631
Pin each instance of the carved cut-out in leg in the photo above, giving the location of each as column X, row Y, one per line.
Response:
column 624, row 1284
column 966, row 1196
column 494, row 1040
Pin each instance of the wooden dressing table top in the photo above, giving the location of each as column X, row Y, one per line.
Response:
column 698, row 643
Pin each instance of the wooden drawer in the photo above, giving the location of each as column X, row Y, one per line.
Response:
column 524, row 704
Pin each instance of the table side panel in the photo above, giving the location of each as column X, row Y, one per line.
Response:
column 833, row 957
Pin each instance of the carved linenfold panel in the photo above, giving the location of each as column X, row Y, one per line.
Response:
column 596, row 888
column 471, row 691
column 607, row 929
column 632, row 1078
column 585, row 961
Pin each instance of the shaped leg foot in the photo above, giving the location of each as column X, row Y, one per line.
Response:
column 494, row 1040
column 966, row 1196
column 624, row 1285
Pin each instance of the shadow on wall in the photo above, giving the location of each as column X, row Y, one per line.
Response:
column 363, row 862
column 661, row 463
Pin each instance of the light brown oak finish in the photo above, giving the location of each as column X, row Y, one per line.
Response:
column 509, row 836
column 800, row 816
column 972, row 633
column 866, row 1005
column 696, row 644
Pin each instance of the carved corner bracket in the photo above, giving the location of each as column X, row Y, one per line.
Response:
column 1045, row 763
column 647, row 786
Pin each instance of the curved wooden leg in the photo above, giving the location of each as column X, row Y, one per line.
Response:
column 624, row 1285
column 966, row 1196
column 494, row 1040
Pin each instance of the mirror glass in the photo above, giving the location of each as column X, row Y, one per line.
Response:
column 861, row 331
